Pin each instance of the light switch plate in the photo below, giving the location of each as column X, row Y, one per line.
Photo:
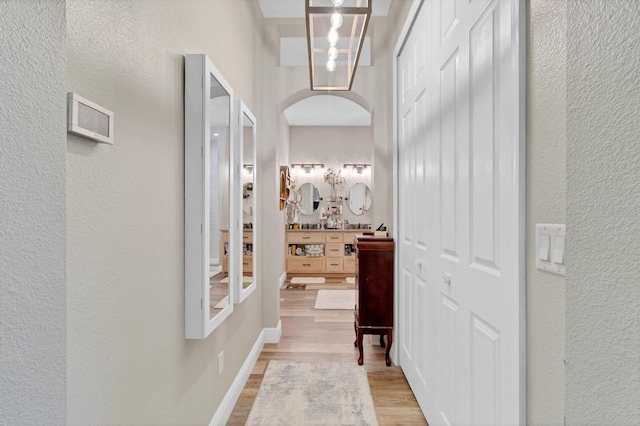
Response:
column 550, row 248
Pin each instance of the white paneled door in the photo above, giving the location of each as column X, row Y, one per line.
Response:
column 460, row 187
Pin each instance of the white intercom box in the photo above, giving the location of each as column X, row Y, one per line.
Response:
column 88, row 119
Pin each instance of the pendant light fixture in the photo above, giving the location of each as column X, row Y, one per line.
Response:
column 336, row 31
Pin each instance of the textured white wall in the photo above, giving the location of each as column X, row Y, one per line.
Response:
column 32, row 213
column 603, row 223
column 128, row 361
column 546, row 203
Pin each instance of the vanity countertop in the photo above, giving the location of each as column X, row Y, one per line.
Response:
column 328, row 230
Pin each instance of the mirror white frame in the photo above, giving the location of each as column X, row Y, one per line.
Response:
column 246, row 119
column 199, row 110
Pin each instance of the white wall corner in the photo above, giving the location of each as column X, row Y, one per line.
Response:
column 225, row 409
column 272, row 335
column 283, row 278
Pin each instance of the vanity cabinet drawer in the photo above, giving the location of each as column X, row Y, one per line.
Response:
column 247, row 264
column 349, row 264
column 349, row 237
column 333, row 265
column 333, row 250
column 305, row 265
column 305, row 237
column 334, row 238
column 247, row 237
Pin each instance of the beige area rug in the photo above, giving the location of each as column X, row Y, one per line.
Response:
column 318, row 393
column 335, row 299
column 307, row 280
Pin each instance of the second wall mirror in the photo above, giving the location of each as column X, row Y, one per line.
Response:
column 246, row 284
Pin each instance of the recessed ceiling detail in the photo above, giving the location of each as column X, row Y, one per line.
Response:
column 327, row 110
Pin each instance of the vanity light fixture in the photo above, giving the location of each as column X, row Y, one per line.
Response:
column 358, row 167
column 335, row 36
column 307, row 167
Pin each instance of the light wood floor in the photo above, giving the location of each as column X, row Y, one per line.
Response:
column 327, row 335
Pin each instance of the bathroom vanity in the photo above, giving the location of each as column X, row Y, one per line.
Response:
column 247, row 252
column 321, row 251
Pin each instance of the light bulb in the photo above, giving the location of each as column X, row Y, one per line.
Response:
column 333, row 37
column 332, row 53
column 337, row 3
column 336, row 20
column 331, row 65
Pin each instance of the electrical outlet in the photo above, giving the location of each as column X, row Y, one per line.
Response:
column 220, row 363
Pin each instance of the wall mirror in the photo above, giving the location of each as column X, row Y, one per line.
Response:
column 210, row 241
column 246, row 283
column 247, row 201
column 359, row 198
column 309, row 198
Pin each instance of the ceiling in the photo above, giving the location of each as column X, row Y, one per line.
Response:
column 320, row 110
column 295, row 8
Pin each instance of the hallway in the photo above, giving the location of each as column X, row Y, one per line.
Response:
column 327, row 335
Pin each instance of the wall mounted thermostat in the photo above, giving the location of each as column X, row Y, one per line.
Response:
column 88, row 119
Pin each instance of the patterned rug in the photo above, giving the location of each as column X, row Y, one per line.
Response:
column 318, row 393
column 335, row 299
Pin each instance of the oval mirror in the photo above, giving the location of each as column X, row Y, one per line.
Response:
column 309, row 198
column 359, row 198
column 247, row 199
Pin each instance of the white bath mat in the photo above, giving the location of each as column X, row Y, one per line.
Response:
column 335, row 299
column 307, row 280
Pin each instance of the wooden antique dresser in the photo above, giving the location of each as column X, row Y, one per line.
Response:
column 374, row 290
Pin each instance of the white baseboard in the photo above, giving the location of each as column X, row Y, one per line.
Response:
column 272, row 335
column 223, row 412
